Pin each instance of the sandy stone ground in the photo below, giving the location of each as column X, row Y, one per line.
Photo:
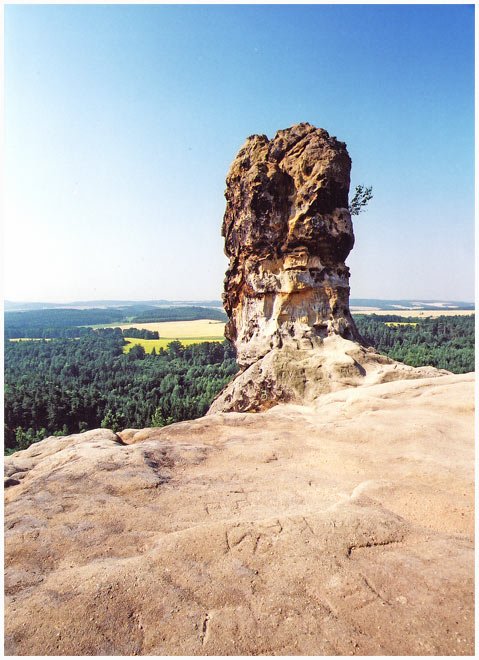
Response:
column 344, row 527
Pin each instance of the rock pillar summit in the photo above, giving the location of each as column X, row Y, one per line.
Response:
column 288, row 232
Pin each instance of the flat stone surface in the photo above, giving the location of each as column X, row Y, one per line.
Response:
column 342, row 527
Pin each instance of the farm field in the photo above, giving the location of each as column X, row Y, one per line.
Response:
column 181, row 329
column 187, row 332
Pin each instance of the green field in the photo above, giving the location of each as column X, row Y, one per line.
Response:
column 150, row 344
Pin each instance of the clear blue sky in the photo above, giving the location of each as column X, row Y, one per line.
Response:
column 122, row 120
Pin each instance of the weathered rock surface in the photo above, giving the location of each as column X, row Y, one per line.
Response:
column 341, row 527
column 301, row 375
column 288, row 231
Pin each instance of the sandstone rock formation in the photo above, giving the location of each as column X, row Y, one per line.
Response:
column 288, row 231
column 340, row 528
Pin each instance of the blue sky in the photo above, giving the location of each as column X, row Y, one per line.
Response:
column 121, row 122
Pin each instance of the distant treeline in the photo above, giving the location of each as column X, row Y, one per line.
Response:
column 140, row 333
column 94, row 304
column 180, row 314
column 25, row 332
column 446, row 342
column 67, row 386
column 47, row 322
column 75, row 332
column 67, row 323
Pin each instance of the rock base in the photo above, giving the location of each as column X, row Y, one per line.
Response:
column 300, row 375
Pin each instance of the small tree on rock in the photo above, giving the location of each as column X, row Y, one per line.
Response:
column 112, row 421
column 157, row 418
column 362, row 196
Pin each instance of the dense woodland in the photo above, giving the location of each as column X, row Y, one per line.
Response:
column 66, row 385
column 446, row 342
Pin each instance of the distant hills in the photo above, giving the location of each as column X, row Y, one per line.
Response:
column 148, row 305
column 413, row 305
column 11, row 306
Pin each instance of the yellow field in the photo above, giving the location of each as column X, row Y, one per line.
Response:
column 182, row 329
column 188, row 332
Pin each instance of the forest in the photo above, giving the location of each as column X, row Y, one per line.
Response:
column 65, row 385
column 446, row 342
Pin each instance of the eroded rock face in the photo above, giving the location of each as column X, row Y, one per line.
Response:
column 287, row 233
